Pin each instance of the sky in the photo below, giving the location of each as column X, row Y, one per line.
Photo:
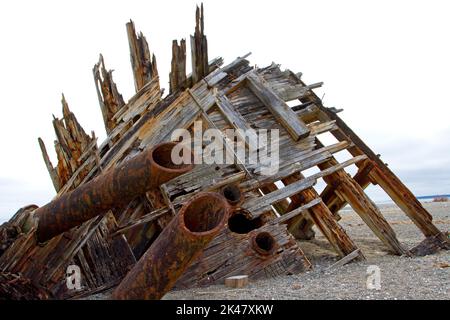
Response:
column 386, row 63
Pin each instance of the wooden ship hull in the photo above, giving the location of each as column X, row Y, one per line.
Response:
column 280, row 208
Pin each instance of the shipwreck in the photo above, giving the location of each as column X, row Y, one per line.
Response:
column 133, row 221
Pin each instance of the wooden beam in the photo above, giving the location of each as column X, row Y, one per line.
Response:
column 257, row 206
column 334, row 202
column 296, row 212
column 351, row 192
column 237, row 121
column 281, row 111
column 346, row 259
column 406, row 201
column 321, row 217
column 282, row 205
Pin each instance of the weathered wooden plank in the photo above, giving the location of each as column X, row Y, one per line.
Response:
column 262, row 204
column 242, row 127
column 142, row 100
column 294, row 213
column 280, row 206
column 346, row 259
column 289, row 93
column 296, row 128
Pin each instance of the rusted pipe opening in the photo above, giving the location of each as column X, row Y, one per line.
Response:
column 205, row 213
column 163, row 167
column 264, row 243
column 162, row 157
column 240, row 222
column 232, row 193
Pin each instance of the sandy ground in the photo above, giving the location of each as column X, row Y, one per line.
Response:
column 401, row 277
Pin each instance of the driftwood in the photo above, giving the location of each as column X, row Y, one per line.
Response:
column 431, row 245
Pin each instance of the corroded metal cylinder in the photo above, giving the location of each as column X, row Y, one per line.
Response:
column 233, row 194
column 264, row 243
column 114, row 188
column 180, row 243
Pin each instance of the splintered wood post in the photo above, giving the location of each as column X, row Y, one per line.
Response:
column 142, row 62
column 177, row 74
column 109, row 98
column 71, row 143
column 51, row 170
column 352, row 192
column 199, row 48
column 386, row 179
column 281, row 111
column 323, row 219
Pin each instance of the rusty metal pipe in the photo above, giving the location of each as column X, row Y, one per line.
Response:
column 179, row 244
column 264, row 243
column 233, row 194
column 114, row 188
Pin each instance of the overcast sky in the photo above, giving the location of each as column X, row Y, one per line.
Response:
column 387, row 63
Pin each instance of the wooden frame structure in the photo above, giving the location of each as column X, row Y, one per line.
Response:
column 285, row 204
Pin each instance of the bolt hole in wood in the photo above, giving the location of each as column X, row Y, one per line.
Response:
column 240, row 223
column 205, row 213
column 162, row 156
column 264, row 243
column 232, row 193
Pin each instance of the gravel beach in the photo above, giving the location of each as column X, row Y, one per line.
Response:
column 401, row 277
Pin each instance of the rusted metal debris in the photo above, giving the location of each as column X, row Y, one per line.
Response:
column 16, row 287
column 197, row 223
column 131, row 220
column 112, row 189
